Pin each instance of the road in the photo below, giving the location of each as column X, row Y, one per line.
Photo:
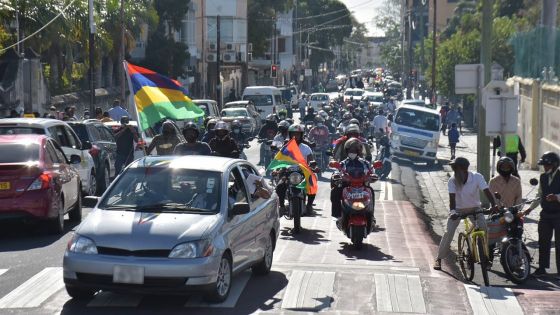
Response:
column 316, row 270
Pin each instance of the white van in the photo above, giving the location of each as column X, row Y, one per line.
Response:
column 415, row 133
column 267, row 99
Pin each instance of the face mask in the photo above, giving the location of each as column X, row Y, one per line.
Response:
column 352, row 156
column 505, row 173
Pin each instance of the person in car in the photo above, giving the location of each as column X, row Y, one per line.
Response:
column 223, row 144
column 202, row 195
column 192, row 146
column 156, row 190
column 166, row 141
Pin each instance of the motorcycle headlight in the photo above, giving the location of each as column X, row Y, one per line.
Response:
column 358, row 205
column 508, row 217
column 196, row 249
column 295, row 178
column 82, row 245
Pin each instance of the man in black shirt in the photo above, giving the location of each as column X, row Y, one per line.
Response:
column 125, row 137
column 192, row 147
column 223, row 144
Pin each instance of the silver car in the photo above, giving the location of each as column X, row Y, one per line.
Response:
column 174, row 224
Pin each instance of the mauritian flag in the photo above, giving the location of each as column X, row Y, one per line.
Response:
column 291, row 155
column 158, row 97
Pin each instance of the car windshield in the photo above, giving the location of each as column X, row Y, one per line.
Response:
column 156, row 189
column 21, row 130
column 319, row 97
column 259, row 100
column 204, row 107
column 354, row 93
column 237, row 112
column 375, row 98
column 417, row 119
column 19, row 152
column 81, row 131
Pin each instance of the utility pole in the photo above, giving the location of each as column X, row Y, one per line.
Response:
column 404, row 7
column 218, row 61
column 409, row 68
column 483, row 142
column 91, row 58
column 121, row 56
column 434, row 44
column 203, row 64
column 422, row 36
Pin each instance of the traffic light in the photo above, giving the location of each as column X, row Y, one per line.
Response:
column 274, row 71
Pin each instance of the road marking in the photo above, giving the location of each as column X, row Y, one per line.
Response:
column 492, row 300
column 309, row 290
column 399, row 293
column 386, row 191
column 385, row 266
column 382, row 191
column 3, row 271
column 109, row 299
column 389, row 190
column 36, row 290
column 238, row 285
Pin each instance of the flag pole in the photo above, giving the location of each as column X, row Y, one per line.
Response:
column 132, row 102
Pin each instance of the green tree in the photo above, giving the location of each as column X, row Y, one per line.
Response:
column 261, row 13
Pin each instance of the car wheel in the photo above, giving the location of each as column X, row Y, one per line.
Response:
column 76, row 213
column 56, row 224
column 220, row 291
column 264, row 266
column 79, row 293
column 92, row 189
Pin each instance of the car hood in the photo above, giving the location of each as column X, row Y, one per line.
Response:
column 141, row 230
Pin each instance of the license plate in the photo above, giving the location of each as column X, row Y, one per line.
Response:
column 128, row 274
column 5, row 185
column 411, row 153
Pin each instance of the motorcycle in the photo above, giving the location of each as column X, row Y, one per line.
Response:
column 357, row 204
column 383, row 165
column 295, row 194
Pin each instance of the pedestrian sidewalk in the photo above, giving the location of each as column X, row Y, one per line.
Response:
column 433, row 185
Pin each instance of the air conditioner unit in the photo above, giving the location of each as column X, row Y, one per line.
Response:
column 212, row 46
column 212, row 57
column 229, row 57
column 230, row 46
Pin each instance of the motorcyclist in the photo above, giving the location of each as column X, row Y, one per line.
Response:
column 282, row 115
column 223, row 144
column 297, row 131
column 166, row 141
column 353, row 131
column 384, row 152
column 355, row 167
column 345, row 122
column 319, row 135
column 380, row 125
column 282, row 134
column 267, row 132
column 209, row 134
column 193, row 146
column 238, row 135
column 310, row 116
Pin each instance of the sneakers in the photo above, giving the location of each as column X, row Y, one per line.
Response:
column 437, row 264
column 539, row 272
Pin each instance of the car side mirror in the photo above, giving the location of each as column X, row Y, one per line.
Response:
column 534, row 182
column 86, row 145
column 90, row 201
column 240, row 208
column 75, row 159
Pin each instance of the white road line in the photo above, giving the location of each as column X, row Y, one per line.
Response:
column 109, row 299
column 382, row 192
column 399, row 293
column 389, row 190
column 309, row 290
column 3, row 271
column 238, row 285
column 36, row 290
column 380, row 265
column 492, row 300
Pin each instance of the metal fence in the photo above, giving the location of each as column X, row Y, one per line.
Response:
column 536, row 50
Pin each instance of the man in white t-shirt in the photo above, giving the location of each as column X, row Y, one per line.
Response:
column 464, row 197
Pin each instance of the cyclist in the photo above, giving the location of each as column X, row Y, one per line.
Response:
column 464, row 197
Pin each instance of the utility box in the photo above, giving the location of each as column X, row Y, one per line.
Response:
column 502, row 108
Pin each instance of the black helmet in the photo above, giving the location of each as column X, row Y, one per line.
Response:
column 353, row 143
column 549, row 158
column 191, row 126
column 505, row 161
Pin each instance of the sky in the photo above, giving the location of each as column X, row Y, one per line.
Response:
column 365, row 12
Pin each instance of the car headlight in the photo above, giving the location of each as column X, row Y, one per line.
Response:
column 431, row 144
column 82, row 245
column 195, row 249
column 295, row 178
column 508, row 217
column 396, row 137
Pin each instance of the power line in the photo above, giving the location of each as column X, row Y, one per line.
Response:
column 290, row 19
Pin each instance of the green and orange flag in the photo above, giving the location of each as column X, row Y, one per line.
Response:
column 158, row 97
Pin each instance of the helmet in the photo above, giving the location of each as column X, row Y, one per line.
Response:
column 549, row 158
column 353, row 144
column 310, row 110
column 236, row 124
column 283, row 113
column 352, row 128
column 211, row 124
column 319, row 119
column 354, row 121
column 221, row 125
column 505, row 161
column 283, row 126
column 191, row 126
column 347, row 116
column 271, row 117
column 296, row 128
column 167, row 127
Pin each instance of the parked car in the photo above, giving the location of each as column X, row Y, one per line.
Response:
column 61, row 132
column 103, row 151
column 38, row 182
column 250, row 106
column 173, row 224
column 248, row 123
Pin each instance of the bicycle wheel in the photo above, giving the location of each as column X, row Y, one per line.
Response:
column 465, row 258
column 483, row 260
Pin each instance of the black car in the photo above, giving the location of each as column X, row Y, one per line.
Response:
column 103, row 151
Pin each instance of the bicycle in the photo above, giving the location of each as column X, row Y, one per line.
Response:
column 473, row 246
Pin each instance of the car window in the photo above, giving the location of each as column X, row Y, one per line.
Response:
column 17, row 130
column 50, row 154
column 278, row 99
column 61, row 157
column 236, row 189
column 19, row 152
column 106, row 134
column 58, row 134
column 248, row 170
column 93, row 133
column 81, row 131
column 259, row 100
column 204, row 107
column 74, row 141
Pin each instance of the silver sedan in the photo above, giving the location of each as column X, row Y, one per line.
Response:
column 174, row 224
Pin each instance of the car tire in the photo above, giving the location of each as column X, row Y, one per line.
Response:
column 56, row 225
column 92, row 184
column 220, row 289
column 263, row 267
column 75, row 214
column 79, row 293
column 104, row 180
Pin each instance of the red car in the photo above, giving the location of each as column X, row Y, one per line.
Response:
column 37, row 182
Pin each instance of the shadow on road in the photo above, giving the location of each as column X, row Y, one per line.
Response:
column 306, row 236
column 367, row 252
column 21, row 236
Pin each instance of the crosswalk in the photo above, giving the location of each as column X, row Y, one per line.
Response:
column 306, row 290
